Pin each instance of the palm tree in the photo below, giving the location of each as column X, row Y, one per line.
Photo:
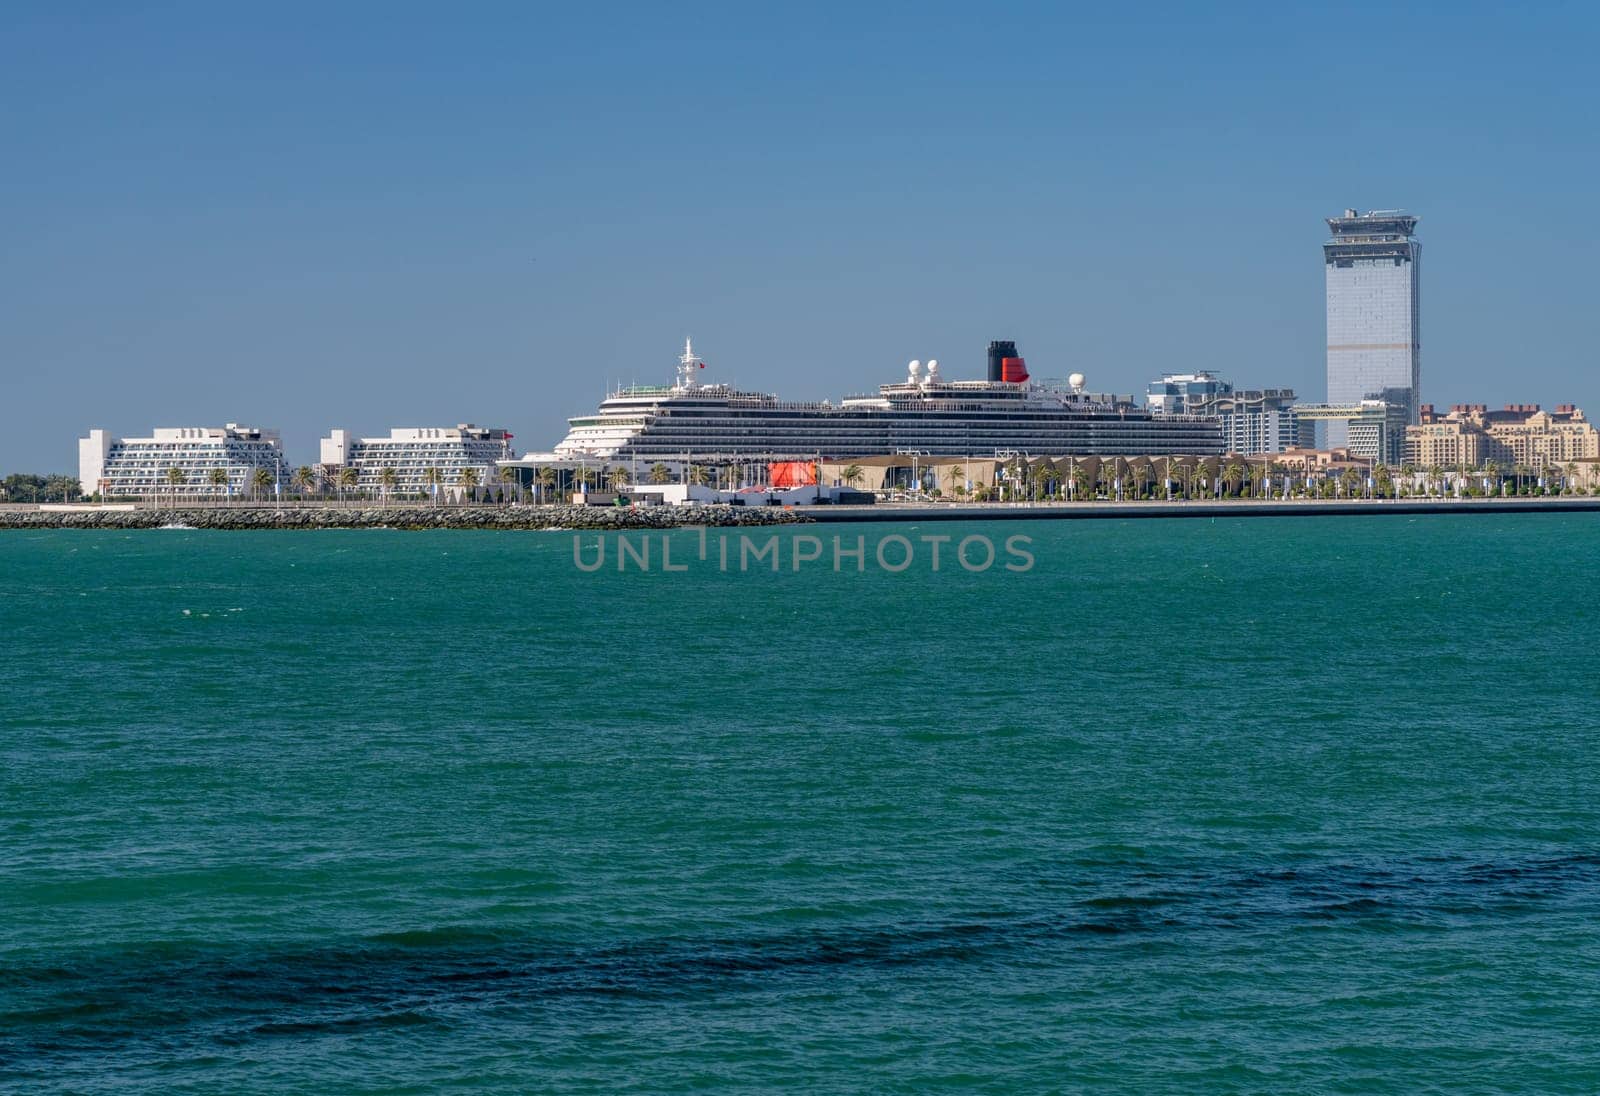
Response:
column 1258, row 478
column 467, row 479
column 304, row 479
column 176, row 477
column 957, row 475
column 388, row 479
column 434, row 479
column 853, row 475
column 546, row 479
column 617, row 479
column 1233, row 476
column 348, row 478
column 508, row 475
column 1383, row 482
column 1043, row 475
column 699, row 475
column 260, row 480
column 660, row 473
column 1079, row 478
column 1016, row 474
column 1350, row 480
column 1197, row 479
column 217, row 477
column 1138, row 475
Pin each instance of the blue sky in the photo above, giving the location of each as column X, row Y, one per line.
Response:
column 318, row 215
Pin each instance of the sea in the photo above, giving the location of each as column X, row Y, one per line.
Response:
column 1289, row 805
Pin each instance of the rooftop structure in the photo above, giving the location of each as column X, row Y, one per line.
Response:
column 195, row 462
column 1374, row 301
column 1374, row 426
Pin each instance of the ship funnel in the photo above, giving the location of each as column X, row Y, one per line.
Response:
column 999, row 351
column 1005, row 364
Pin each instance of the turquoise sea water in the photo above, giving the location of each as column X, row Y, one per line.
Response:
column 1298, row 805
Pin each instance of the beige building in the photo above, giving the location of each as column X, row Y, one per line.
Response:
column 1518, row 434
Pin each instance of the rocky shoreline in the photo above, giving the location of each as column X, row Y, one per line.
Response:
column 402, row 517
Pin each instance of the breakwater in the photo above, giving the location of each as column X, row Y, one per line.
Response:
column 400, row 517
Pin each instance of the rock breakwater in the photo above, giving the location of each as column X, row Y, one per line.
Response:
column 401, row 517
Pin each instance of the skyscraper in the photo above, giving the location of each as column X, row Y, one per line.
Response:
column 1374, row 310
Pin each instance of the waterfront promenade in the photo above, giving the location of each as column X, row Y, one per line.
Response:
column 1231, row 508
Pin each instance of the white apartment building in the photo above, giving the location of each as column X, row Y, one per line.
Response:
column 411, row 451
column 1253, row 421
column 186, row 462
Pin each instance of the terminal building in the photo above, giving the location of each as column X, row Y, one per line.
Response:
column 193, row 462
column 1471, row 435
column 418, row 460
column 1253, row 421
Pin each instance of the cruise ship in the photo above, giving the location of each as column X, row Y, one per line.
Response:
column 1006, row 413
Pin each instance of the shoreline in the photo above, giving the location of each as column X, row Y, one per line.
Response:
column 621, row 519
column 301, row 516
column 1233, row 508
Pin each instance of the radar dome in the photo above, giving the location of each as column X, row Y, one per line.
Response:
column 1076, row 380
column 914, row 367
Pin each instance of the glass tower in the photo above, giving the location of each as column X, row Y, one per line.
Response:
column 1373, row 265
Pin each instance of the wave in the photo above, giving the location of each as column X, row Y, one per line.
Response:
column 230, row 995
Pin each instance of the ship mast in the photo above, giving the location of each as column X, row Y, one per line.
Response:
column 688, row 366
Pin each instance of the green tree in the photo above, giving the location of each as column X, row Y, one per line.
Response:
column 853, row 475
column 1383, row 482
column 305, row 479
column 1079, row 478
column 434, row 480
column 508, row 476
column 260, row 480
column 546, row 478
column 1258, row 478
column 1233, row 477
column 660, row 474
column 218, row 478
column 467, row 479
column 957, row 475
column 388, row 480
column 176, row 478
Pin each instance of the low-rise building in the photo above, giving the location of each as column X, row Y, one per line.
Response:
column 1253, row 420
column 1525, row 435
column 194, row 462
column 417, row 460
